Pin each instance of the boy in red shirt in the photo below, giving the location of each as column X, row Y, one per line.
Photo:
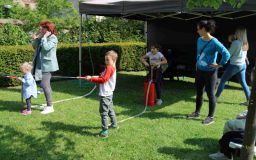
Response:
column 107, row 83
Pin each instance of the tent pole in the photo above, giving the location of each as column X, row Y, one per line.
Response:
column 80, row 45
column 146, row 33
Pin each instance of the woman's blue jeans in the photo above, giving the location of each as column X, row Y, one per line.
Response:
column 240, row 71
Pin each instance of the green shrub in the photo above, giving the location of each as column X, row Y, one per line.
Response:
column 13, row 35
column 129, row 59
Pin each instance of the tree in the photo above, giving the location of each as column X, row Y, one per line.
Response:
column 214, row 3
column 61, row 11
column 250, row 126
column 113, row 30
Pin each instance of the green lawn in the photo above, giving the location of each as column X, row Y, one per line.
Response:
column 70, row 132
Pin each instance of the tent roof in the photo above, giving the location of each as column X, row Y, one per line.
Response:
column 152, row 9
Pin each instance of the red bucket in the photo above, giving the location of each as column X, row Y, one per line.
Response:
column 151, row 94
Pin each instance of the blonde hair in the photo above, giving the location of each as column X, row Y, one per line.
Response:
column 112, row 54
column 241, row 34
column 27, row 66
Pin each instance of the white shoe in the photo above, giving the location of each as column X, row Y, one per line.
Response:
column 48, row 109
column 219, row 156
column 159, row 102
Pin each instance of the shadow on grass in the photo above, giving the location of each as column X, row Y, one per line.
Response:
column 11, row 89
column 59, row 126
column 12, row 106
column 17, row 145
column 158, row 115
column 201, row 148
column 129, row 93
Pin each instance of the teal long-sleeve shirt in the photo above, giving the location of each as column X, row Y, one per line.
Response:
column 208, row 55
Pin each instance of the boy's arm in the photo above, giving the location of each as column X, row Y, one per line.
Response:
column 104, row 78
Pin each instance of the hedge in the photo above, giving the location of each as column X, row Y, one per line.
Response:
column 129, row 54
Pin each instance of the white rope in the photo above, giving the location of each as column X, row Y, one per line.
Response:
column 68, row 99
column 145, row 109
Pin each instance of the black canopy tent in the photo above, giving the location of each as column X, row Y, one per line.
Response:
column 173, row 26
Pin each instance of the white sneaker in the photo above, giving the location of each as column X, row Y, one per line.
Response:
column 48, row 109
column 159, row 102
column 219, row 156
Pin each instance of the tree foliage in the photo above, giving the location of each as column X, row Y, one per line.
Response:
column 67, row 21
column 214, row 3
column 113, row 30
column 12, row 35
column 61, row 12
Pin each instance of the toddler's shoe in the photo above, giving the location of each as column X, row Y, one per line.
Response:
column 26, row 112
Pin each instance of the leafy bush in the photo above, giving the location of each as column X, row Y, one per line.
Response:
column 12, row 35
column 112, row 29
column 129, row 58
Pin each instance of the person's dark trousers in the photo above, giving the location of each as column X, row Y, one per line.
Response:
column 106, row 109
column 158, row 79
column 206, row 80
column 28, row 102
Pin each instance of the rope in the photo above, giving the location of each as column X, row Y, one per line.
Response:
column 146, row 105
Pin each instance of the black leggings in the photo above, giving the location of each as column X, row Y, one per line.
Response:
column 157, row 78
column 28, row 102
column 206, row 80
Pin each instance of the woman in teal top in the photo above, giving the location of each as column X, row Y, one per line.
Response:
column 45, row 59
column 206, row 67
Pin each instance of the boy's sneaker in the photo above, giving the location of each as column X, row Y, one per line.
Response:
column 208, row 121
column 48, row 109
column 103, row 133
column 114, row 126
column 193, row 115
column 219, row 156
column 26, row 112
column 159, row 102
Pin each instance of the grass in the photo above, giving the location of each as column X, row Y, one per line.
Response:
column 70, row 132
